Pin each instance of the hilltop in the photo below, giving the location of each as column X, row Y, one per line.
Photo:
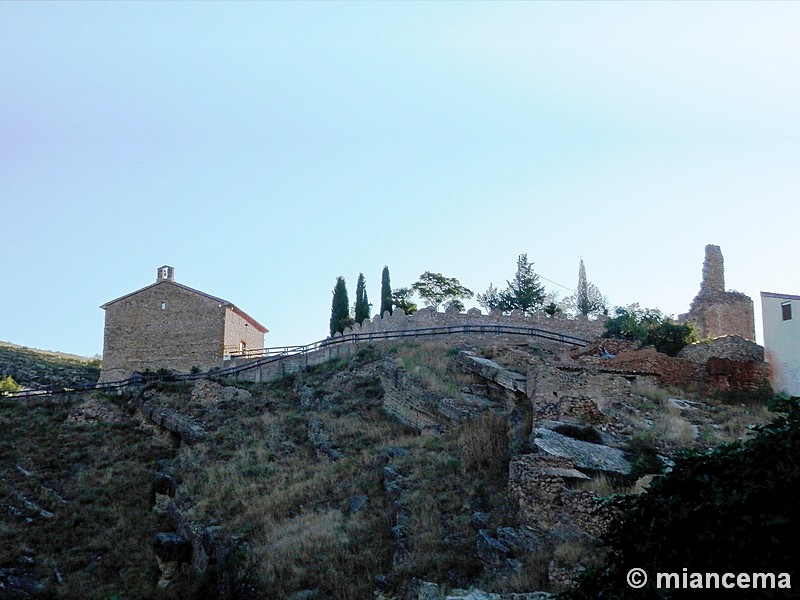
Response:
column 44, row 369
column 406, row 470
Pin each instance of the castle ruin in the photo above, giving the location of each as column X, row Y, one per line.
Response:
column 716, row 312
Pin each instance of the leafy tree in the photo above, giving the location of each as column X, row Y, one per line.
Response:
column 436, row 289
column 401, row 298
column 525, row 291
column 362, row 309
column 651, row 327
column 490, row 299
column 386, row 292
column 632, row 322
column 588, row 299
column 454, row 305
column 340, row 308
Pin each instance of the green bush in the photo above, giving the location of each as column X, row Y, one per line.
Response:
column 651, row 327
column 8, row 386
column 670, row 337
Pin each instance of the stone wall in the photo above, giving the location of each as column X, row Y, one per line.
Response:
column 733, row 375
column 139, row 334
column 429, row 317
column 578, row 393
column 723, row 364
column 237, row 330
column 722, row 313
column 730, row 363
column 270, row 371
column 543, row 489
column 713, row 271
column 422, row 319
column 670, row 371
column 732, row 347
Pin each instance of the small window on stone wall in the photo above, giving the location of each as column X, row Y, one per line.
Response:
column 163, row 306
column 786, row 309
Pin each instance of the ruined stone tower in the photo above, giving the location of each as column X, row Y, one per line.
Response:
column 713, row 271
column 716, row 312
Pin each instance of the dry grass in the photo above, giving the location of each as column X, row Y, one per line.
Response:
column 672, row 429
column 602, row 485
column 737, row 420
column 434, row 365
column 483, row 443
column 656, row 395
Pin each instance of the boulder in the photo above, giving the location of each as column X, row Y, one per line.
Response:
column 585, row 455
column 207, row 392
column 95, row 410
column 522, row 540
column 491, row 552
column 488, row 369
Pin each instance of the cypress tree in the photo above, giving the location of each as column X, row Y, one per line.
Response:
column 582, row 293
column 588, row 298
column 362, row 303
column 340, row 307
column 386, row 292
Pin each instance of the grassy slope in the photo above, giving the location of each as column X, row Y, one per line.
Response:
column 96, row 480
column 258, row 474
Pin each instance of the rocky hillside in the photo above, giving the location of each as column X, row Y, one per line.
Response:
column 37, row 369
column 75, row 510
column 406, row 471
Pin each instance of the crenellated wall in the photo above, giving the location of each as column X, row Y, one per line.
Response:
column 430, row 317
column 422, row 319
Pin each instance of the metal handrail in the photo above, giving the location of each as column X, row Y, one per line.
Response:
column 268, row 355
column 262, row 356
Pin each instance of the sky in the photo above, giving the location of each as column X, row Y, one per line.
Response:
column 265, row 148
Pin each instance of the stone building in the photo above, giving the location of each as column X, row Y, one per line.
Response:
column 781, row 317
column 716, row 312
column 168, row 325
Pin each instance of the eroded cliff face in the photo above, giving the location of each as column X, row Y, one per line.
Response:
column 408, row 470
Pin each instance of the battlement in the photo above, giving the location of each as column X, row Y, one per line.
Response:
column 430, row 317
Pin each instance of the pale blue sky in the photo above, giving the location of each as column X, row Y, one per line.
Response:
column 262, row 149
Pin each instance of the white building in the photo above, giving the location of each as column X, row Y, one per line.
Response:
column 781, row 316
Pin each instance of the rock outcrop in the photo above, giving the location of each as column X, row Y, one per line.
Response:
column 585, row 455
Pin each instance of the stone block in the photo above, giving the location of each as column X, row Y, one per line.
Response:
column 594, row 457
